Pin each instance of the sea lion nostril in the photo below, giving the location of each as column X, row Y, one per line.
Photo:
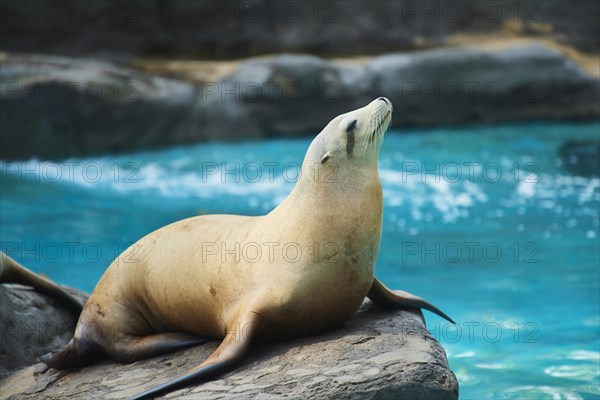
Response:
column 384, row 100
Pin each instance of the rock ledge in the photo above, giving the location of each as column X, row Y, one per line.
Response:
column 55, row 107
column 377, row 354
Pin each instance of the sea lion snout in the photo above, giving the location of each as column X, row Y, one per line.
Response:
column 379, row 117
column 382, row 103
column 386, row 103
column 370, row 122
column 354, row 136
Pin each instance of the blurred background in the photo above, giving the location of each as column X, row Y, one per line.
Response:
column 117, row 118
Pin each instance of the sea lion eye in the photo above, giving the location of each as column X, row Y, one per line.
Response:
column 350, row 137
column 351, row 126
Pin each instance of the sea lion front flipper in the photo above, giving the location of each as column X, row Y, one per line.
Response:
column 381, row 295
column 13, row 272
column 227, row 356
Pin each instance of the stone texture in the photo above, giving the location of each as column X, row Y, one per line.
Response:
column 377, row 354
column 463, row 84
column 285, row 95
column 31, row 324
column 106, row 108
column 55, row 107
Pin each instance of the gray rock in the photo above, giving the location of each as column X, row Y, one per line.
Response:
column 284, row 95
column 291, row 95
column 462, row 85
column 31, row 324
column 53, row 107
column 376, row 354
column 281, row 96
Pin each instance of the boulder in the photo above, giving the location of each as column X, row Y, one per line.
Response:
column 377, row 354
column 463, row 84
column 56, row 107
column 284, row 96
column 31, row 324
column 292, row 95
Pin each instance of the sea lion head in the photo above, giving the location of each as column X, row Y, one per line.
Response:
column 352, row 138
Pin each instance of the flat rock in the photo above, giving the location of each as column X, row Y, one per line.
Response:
column 31, row 324
column 377, row 354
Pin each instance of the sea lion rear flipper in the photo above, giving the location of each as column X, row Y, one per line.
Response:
column 13, row 272
column 381, row 295
column 227, row 356
column 77, row 353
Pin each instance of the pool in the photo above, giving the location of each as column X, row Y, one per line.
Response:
column 483, row 221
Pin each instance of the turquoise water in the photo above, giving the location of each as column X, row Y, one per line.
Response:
column 482, row 221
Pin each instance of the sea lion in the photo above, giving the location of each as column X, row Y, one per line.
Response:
column 13, row 272
column 301, row 269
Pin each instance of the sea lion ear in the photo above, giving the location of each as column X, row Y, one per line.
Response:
column 325, row 158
